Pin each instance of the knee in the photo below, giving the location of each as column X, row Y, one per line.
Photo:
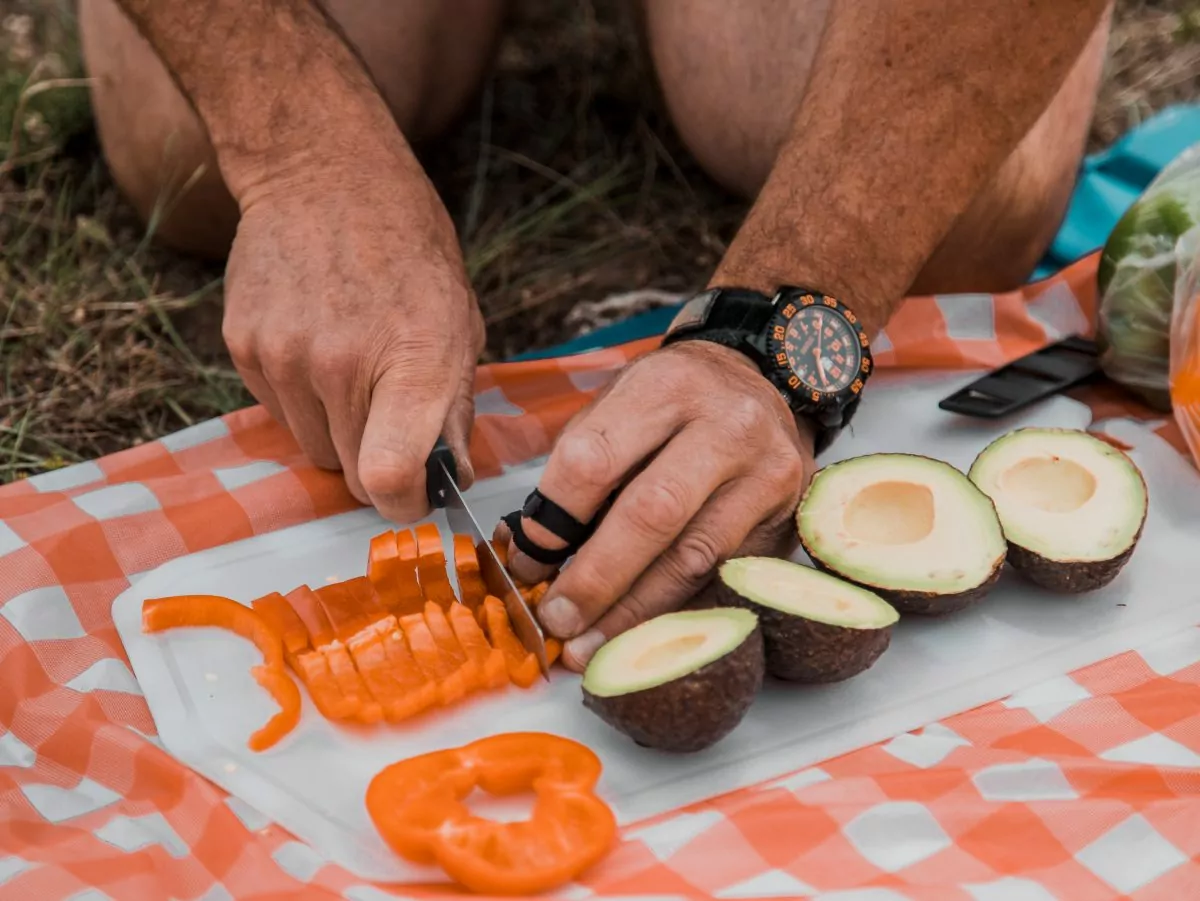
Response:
column 997, row 243
column 734, row 147
column 720, row 73
column 156, row 148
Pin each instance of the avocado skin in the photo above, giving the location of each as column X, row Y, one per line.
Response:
column 802, row 650
column 1078, row 577
column 920, row 603
column 693, row 712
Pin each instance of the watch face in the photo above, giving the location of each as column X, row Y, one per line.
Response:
column 819, row 348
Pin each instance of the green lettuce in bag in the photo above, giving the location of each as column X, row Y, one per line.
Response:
column 1148, row 253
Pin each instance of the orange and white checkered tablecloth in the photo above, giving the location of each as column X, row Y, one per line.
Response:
column 1083, row 788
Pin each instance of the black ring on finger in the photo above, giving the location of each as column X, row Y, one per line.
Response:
column 534, row 551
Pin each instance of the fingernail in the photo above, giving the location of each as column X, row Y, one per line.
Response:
column 560, row 616
column 581, row 649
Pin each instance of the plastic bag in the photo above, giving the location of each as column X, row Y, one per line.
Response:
column 1185, row 345
column 1149, row 281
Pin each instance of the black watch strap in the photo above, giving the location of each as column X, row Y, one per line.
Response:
column 740, row 312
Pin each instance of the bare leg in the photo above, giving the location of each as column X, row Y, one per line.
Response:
column 732, row 75
column 426, row 57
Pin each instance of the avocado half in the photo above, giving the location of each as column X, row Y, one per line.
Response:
column 681, row 681
column 1072, row 506
column 912, row 529
column 816, row 628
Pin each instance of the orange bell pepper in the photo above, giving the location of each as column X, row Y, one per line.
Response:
column 314, row 672
column 533, row 593
column 424, row 649
column 366, row 709
column 431, row 567
column 279, row 615
column 225, row 613
column 417, row 807
column 488, row 660
column 471, row 590
column 419, row 692
column 370, row 658
column 522, row 666
column 408, row 593
column 343, row 604
column 443, row 635
column 308, row 608
column 383, row 562
column 392, row 569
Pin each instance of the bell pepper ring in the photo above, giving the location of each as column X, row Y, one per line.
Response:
column 417, row 807
column 160, row 614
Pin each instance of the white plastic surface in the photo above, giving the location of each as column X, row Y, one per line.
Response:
column 205, row 703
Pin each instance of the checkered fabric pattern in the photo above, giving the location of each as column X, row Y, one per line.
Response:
column 1080, row 789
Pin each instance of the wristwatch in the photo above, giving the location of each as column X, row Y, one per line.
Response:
column 810, row 346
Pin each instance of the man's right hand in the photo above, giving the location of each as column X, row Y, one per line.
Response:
column 349, row 315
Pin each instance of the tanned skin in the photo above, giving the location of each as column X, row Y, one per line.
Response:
column 852, row 208
column 869, row 192
column 348, row 310
column 350, row 317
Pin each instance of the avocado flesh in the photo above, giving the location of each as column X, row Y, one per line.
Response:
column 912, row 529
column 1072, row 506
column 816, row 628
column 679, row 682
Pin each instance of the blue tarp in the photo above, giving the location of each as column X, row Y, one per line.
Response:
column 1108, row 183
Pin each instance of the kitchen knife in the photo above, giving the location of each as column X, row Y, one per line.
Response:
column 441, row 487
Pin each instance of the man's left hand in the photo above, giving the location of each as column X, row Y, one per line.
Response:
column 709, row 463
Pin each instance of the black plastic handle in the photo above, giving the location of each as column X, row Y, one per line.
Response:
column 1031, row 378
column 435, row 477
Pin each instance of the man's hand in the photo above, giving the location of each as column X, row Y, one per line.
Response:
column 348, row 312
column 709, row 462
column 349, row 316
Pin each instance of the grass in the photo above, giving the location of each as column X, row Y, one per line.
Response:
column 565, row 180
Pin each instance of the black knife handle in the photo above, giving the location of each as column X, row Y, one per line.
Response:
column 1028, row 379
column 435, row 477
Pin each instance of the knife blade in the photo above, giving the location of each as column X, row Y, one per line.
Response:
column 441, row 479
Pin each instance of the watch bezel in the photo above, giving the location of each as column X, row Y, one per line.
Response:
column 788, row 302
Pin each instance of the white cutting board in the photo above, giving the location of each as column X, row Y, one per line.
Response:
column 205, row 704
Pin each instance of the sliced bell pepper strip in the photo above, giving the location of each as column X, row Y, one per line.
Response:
column 458, row 685
column 279, row 615
column 553, row 650
column 314, row 672
column 423, row 648
column 443, row 634
column 344, row 607
column 493, row 671
column 383, row 563
column 370, row 658
column 408, row 597
column 420, row 693
column 417, row 807
column 308, row 608
column 350, row 683
column 431, row 567
column 471, row 590
column 468, row 675
column 367, row 598
column 533, row 593
column 439, row 667
column 225, row 613
column 522, row 666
